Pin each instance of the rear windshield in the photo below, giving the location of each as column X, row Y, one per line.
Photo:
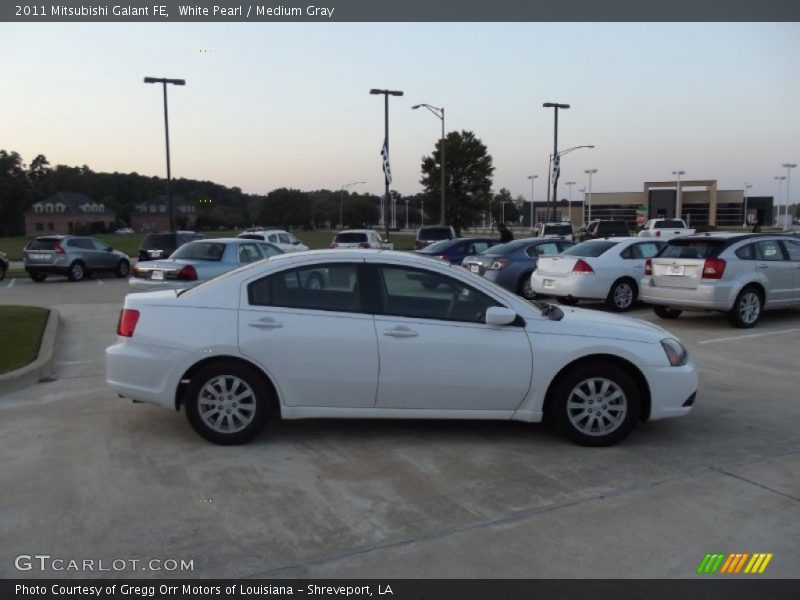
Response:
column 669, row 224
column 435, row 233
column 350, row 238
column 688, row 248
column 201, row 251
column 590, row 248
column 158, row 241
column 42, row 244
column 503, row 249
column 252, row 236
column 437, row 247
column 615, row 226
column 558, row 229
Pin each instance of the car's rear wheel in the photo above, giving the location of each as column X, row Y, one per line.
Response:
column 568, row 301
column 227, row 403
column 595, row 404
column 2, row 271
column 38, row 277
column 123, row 268
column 665, row 312
column 76, row 272
column 525, row 287
column 622, row 295
column 746, row 310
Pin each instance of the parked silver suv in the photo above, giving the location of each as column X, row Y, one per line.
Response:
column 740, row 274
column 74, row 256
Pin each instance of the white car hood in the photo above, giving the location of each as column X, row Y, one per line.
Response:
column 598, row 324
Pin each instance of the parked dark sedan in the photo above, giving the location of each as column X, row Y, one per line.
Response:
column 510, row 265
column 454, row 251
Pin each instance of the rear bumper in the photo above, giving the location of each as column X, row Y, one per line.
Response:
column 47, row 269
column 576, row 286
column 704, row 297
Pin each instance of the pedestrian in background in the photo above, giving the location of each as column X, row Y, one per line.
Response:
column 505, row 233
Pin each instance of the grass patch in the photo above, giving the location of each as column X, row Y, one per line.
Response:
column 21, row 329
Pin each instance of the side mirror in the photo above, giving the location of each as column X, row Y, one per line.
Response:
column 109, row 248
column 500, row 315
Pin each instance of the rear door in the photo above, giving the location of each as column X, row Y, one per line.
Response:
column 792, row 248
column 774, row 265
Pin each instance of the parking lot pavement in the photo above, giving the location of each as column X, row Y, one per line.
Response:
column 88, row 475
column 55, row 290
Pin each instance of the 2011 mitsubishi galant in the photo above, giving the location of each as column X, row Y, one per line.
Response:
column 384, row 334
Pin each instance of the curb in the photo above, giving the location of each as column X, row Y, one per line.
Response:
column 42, row 366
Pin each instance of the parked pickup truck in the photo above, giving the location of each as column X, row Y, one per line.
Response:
column 666, row 229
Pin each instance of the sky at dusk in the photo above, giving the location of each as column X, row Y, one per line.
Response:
column 268, row 105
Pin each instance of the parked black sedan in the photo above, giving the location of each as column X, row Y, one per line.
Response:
column 510, row 265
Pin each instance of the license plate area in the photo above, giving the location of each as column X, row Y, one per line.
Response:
column 675, row 270
column 157, row 275
column 474, row 268
column 548, row 283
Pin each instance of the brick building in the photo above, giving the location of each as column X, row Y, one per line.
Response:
column 66, row 213
column 153, row 214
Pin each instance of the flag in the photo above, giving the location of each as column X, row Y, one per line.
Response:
column 387, row 169
column 556, row 167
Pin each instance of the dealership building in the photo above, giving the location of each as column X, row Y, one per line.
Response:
column 700, row 203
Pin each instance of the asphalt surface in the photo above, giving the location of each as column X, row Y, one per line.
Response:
column 87, row 475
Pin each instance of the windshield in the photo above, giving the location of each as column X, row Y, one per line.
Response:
column 668, row 224
column 42, row 244
column 158, row 241
column 688, row 248
column 558, row 229
column 437, row 247
column 435, row 233
column 588, row 249
column 350, row 238
column 200, row 251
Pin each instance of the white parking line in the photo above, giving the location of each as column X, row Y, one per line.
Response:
column 99, row 282
column 11, row 283
column 749, row 335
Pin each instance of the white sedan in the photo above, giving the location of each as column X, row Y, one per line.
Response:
column 605, row 269
column 389, row 335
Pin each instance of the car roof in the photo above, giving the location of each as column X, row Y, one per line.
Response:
column 356, row 231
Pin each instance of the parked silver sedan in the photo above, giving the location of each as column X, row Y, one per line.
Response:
column 740, row 274
column 198, row 261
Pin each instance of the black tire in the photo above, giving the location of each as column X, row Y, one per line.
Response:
column 77, row 272
column 747, row 308
column 524, row 287
column 123, row 268
column 568, row 301
column 622, row 295
column 587, row 429
column 38, row 277
column 243, row 420
column 665, row 312
column 2, row 271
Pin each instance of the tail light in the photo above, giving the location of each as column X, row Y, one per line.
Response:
column 658, row 233
column 713, row 268
column 583, row 267
column 648, row 266
column 58, row 248
column 126, row 325
column 187, row 273
column 418, row 245
column 499, row 263
column 364, row 245
column 445, row 257
column 334, row 245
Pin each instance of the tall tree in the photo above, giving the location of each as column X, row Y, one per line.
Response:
column 468, row 179
column 14, row 193
column 286, row 207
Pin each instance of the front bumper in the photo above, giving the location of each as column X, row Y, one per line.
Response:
column 672, row 390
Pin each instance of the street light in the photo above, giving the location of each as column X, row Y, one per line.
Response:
column 341, row 200
column 590, row 172
column 583, row 205
column 678, row 204
column 555, row 106
column 503, row 210
column 533, row 179
column 551, row 169
column 163, row 81
column 569, row 202
column 788, row 167
column 439, row 112
column 747, row 186
column 780, row 180
column 386, row 174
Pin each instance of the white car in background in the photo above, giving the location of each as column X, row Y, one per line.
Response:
column 282, row 239
column 605, row 269
column 359, row 238
column 389, row 335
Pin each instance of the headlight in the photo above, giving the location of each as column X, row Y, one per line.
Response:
column 676, row 353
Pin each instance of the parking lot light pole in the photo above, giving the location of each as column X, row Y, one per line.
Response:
column 779, row 179
column 406, row 199
column 788, row 167
column 678, row 203
column 590, row 172
column 555, row 106
column 163, row 81
column 439, row 112
column 386, row 94
column 583, row 206
column 341, row 200
column 533, row 179
column 747, row 186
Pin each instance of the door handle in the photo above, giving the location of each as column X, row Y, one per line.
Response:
column 265, row 323
column 400, row 332
column 763, row 266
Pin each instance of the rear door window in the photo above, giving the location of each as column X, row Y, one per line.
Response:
column 590, row 249
column 746, row 252
column 769, row 250
column 549, row 248
column 792, row 249
column 331, row 287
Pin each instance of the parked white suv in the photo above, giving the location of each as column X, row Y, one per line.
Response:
column 283, row 239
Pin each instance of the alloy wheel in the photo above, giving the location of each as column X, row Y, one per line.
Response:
column 597, row 406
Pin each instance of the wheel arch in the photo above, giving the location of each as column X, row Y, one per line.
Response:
column 638, row 377
column 631, row 280
column 180, row 391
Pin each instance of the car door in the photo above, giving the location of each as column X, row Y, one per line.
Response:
column 792, row 248
column 88, row 254
column 316, row 340
column 777, row 270
column 436, row 351
column 104, row 257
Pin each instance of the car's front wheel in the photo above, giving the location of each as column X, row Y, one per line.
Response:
column 596, row 404
column 227, row 403
column 746, row 310
column 123, row 268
